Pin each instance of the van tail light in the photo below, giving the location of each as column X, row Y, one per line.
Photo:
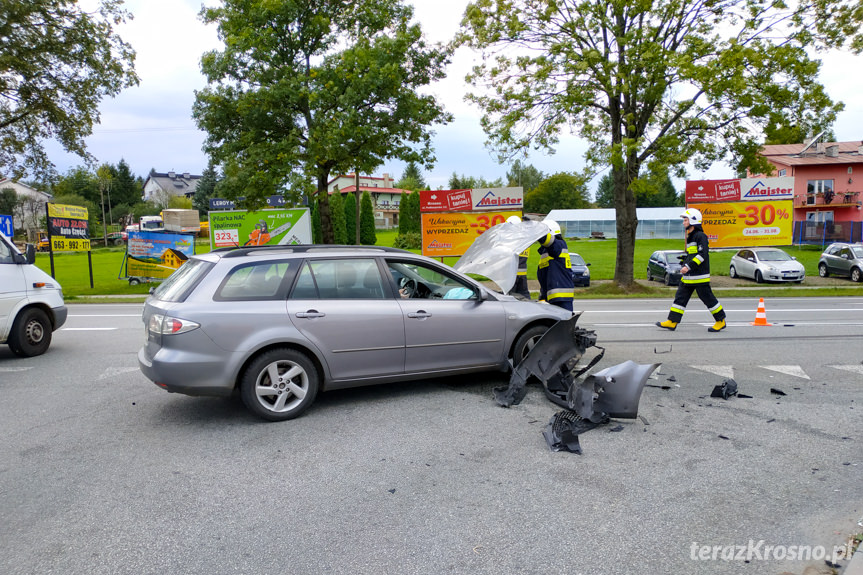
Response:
column 167, row 325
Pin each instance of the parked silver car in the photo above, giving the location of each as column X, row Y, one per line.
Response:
column 283, row 323
column 766, row 264
column 842, row 259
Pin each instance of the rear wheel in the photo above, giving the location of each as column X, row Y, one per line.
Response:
column 526, row 341
column 822, row 270
column 649, row 275
column 758, row 277
column 31, row 333
column 856, row 275
column 279, row 384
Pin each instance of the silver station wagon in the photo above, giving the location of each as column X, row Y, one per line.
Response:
column 282, row 323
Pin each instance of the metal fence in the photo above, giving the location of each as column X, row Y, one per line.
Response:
column 823, row 233
column 647, row 229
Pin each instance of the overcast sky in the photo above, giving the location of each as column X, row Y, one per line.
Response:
column 150, row 126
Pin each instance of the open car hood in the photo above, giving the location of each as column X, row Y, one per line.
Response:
column 495, row 253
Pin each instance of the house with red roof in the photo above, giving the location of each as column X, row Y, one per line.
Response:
column 828, row 187
column 385, row 197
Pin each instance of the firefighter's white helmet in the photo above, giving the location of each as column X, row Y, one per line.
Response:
column 693, row 215
column 513, row 220
column 552, row 226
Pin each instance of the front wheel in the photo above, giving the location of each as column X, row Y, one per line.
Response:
column 732, row 272
column 280, row 384
column 31, row 333
column 856, row 276
column 758, row 277
column 667, row 279
column 822, row 270
column 525, row 343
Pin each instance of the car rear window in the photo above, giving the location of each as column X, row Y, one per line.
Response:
column 181, row 283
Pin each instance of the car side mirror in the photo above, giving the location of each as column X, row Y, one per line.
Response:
column 793, row 258
column 588, row 265
column 30, row 253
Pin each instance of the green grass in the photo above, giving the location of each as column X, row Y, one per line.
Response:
column 71, row 270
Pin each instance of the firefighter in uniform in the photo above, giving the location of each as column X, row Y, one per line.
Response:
column 555, row 271
column 520, row 286
column 695, row 276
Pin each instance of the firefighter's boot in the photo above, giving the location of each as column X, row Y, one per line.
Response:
column 667, row 324
column 718, row 326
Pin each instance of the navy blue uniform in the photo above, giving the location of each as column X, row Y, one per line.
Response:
column 555, row 272
column 520, row 286
column 697, row 279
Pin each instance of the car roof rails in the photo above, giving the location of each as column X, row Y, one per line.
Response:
column 236, row 252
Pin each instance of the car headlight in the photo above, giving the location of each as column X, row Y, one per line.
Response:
column 587, row 272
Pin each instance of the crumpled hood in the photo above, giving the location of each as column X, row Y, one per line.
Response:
column 495, row 253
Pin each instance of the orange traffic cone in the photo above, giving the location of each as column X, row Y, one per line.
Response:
column 760, row 315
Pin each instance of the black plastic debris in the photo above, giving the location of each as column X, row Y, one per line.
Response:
column 671, row 378
column 775, row 391
column 563, row 430
column 616, row 428
column 723, row 437
column 726, row 390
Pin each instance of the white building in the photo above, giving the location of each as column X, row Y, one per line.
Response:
column 161, row 187
column 31, row 213
column 385, row 198
column 652, row 223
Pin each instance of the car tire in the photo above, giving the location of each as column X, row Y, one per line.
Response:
column 732, row 272
column 134, row 281
column 526, row 341
column 285, row 398
column 759, row 279
column 119, row 242
column 649, row 275
column 31, row 333
column 667, row 279
column 822, row 270
column 856, row 275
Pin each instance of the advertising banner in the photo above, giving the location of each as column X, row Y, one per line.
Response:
column 747, row 224
column 497, row 199
column 270, row 227
column 157, row 254
column 68, row 228
column 452, row 234
column 747, row 189
column 445, row 201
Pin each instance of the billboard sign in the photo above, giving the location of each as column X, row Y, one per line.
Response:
column 445, row 200
column 747, row 224
column 747, row 189
column 68, row 228
column 451, row 234
column 290, row 226
column 767, row 189
column 157, row 254
column 497, row 199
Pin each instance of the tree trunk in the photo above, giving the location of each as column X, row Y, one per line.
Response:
column 626, row 220
column 324, row 210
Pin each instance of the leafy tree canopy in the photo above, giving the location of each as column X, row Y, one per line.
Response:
column 412, row 178
column 57, row 63
column 654, row 84
column 316, row 87
column 463, row 182
column 524, row 175
column 558, row 192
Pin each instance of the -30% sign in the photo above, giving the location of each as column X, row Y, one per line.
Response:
column 752, row 215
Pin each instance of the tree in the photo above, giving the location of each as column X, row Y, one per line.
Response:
column 340, row 234
column 323, row 87
column 78, row 181
column 206, row 190
column 350, row 209
column 9, row 201
column 316, row 222
column 368, row 235
column 524, row 175
column 560, row 191
column 605, row 192
column 463, row 182
column 651, row 83
column 57, row 63
column 125, row 187
column 412, row 179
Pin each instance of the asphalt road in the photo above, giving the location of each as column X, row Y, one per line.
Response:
column 103, row 472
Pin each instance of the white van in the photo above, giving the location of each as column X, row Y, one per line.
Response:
column 31, row 301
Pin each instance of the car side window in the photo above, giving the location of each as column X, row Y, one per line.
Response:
column 256, row 281
column 832, row 251
column 426, row 282
column 845, row 253
column 339, row 279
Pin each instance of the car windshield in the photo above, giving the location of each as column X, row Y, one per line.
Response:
column 773, row 256
column 674, row 257
column 576, row 260
column 858, row 251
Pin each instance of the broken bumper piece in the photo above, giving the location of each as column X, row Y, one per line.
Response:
column 612, row 392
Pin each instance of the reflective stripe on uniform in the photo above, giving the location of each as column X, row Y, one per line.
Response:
column 559, row 293
column 692, row 249
column 716, row 308
column 678, row 309
column 696, row 279
column 697, row 260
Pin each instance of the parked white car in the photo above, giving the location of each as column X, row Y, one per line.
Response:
column 31, row 301
column 766, row 264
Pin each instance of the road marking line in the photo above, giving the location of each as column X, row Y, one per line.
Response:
column 721, row 370
column 794, row 370
column 88, row 328
column 14, row 369
column 851, row 368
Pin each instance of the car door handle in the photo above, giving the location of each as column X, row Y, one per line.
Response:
column 421, row 314
column 312, row 313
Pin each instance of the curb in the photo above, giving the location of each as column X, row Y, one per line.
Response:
column 855, row 566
